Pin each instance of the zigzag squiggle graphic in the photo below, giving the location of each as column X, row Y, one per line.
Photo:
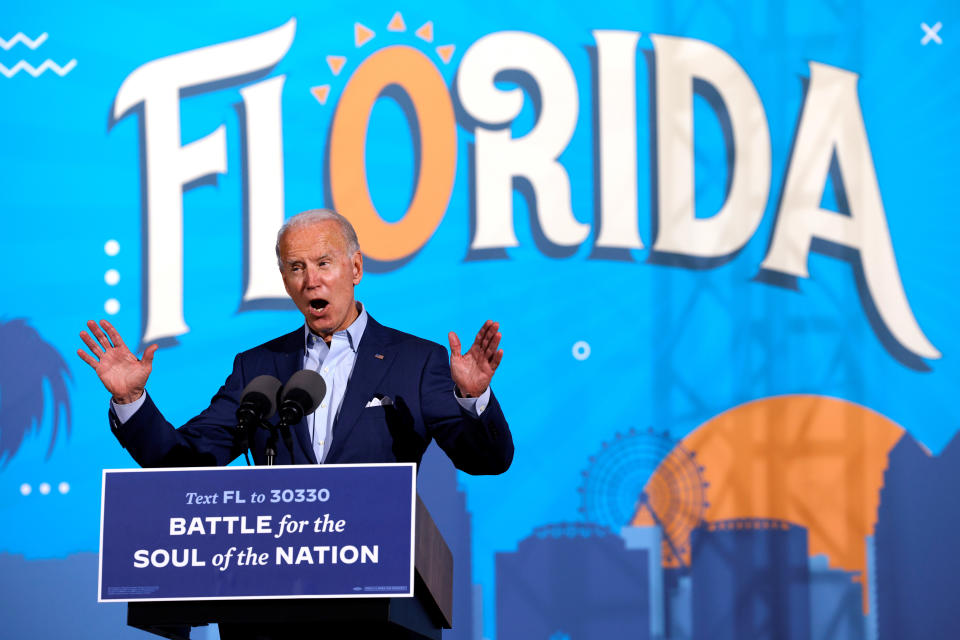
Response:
column 6, row 45
column 23, row 65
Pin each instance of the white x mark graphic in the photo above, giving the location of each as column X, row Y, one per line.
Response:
column 931, row 33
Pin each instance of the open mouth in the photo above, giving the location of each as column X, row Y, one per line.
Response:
column 318, row 303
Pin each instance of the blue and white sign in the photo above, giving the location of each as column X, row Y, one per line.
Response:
column 257, row 532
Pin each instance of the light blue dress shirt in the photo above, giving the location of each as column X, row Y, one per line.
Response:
column 334, row 362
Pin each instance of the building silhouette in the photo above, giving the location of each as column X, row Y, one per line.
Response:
column 650, row 539
column 918, row 568
column 447, row 504
column 678, row 594
column 576, row 581
column 56, row 598
column 836, row 603
column 751, row 579
column 872, row 632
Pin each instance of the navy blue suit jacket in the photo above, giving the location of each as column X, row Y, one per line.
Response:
column 413, row 373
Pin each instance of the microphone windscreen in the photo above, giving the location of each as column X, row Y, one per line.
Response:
column 303, row 385
column 266, row 386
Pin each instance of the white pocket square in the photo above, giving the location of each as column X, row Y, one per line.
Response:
column 382, row 401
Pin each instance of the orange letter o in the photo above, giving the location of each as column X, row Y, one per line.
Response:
column 420, row 79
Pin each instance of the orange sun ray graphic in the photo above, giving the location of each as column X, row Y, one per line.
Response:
column 363, row 34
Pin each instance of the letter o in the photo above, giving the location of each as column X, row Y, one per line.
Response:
column 348, row 554
column 160, row 558
column 413, row 72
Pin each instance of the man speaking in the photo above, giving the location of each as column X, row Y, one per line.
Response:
column 388, row 393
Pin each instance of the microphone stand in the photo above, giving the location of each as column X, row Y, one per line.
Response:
column 271, row 447
column 245, row 429
column 285, row 434
column 246, row 432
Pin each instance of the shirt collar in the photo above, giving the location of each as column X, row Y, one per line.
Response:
column 353, row 333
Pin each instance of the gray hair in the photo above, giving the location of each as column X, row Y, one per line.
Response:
column 319, row 215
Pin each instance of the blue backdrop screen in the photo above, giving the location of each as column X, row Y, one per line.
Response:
column 718, row 240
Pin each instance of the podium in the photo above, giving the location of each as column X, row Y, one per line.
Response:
column 422, row 616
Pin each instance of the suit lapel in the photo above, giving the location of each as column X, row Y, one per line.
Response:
column 288, row 361
column 374, row 358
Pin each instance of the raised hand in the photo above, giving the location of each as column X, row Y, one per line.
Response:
column 119, row 370
column 473, row 370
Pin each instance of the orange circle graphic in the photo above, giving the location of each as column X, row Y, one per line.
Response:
column 814, row 461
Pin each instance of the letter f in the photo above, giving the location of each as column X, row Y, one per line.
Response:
column 158, row 86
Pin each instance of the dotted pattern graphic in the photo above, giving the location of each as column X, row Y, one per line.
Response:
column 44, row 488
column 111, row 277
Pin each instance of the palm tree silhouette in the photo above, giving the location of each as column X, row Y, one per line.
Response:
column 26, row 361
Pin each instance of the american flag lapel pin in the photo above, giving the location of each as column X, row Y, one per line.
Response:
column 378, row 356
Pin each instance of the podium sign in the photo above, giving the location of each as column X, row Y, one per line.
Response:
column 332, row 531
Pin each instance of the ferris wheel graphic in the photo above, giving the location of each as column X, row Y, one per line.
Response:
column 646, row 478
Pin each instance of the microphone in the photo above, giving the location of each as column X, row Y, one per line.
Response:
column 258, row 403
column 301, row 396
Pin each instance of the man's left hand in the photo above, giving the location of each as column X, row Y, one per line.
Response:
column 473, row 370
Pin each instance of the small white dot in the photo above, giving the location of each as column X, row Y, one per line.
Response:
column 111, row 248
column 111, row 277
column 63, row 487
column 44, row 488
column 112, row 306
column 581, row 350
column 25, row 489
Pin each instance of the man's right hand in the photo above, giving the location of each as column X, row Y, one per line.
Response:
column 119, row 370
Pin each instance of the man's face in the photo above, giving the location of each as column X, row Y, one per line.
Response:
column 319, row 274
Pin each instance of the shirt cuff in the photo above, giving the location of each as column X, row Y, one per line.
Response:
column 125, row 411
column 476, row 405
